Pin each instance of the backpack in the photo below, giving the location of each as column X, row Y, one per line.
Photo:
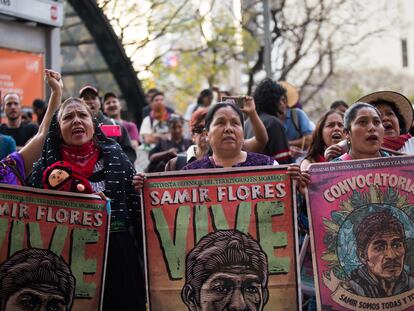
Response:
column 295, row 120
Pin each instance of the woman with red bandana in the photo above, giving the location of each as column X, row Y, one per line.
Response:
column 396, row 116
column 76, row 141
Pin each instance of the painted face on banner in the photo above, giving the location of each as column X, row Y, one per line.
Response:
column 27, row 299
column 231, row 291
column 385, row 256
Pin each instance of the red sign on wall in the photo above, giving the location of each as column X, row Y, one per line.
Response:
column 22, row 73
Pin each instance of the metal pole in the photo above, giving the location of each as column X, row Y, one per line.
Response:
column 267, row 39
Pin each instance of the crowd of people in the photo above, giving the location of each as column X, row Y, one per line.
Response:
column 87, row 136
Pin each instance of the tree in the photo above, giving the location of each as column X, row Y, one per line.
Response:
column 200, row 37
column 186, row 45
column 350, row 85
column 309, row 38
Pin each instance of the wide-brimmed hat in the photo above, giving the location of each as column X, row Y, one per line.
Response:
column 401, row 102
column 292, row 93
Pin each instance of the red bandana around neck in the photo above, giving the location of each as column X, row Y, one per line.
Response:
column 83, row 158
column 396, row 143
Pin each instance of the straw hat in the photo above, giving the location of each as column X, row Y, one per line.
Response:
column 401, row 102
column 291, row 93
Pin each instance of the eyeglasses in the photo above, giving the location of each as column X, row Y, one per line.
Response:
column 198, row 129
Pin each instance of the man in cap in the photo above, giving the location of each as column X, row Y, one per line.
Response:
column 91, row 97
column 14, row 127
column 112, row 108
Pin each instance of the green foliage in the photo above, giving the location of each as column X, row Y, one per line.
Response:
column 354, row 93
column 208, row 36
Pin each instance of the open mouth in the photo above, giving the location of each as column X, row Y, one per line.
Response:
column 388, row 127
column 336, row 136
column 78, row 131
column 372, row 138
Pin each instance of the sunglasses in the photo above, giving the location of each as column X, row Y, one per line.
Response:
column 198, row 129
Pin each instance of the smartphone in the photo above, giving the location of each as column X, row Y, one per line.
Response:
column 235, row 100
column 111, row 130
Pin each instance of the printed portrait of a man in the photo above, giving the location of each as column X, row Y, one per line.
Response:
column 381, row 248
column 36, row 279
column 226, row 270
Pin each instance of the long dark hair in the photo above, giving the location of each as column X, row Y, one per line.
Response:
column 267, row 96
column 317, row 145
column 204, row 93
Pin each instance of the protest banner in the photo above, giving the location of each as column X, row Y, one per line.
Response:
column 52, row 249
column 221, row 236
column 362, row 233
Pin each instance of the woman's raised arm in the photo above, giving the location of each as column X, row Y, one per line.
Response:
column 33, row 149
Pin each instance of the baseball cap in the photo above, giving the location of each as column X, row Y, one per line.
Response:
column 109, row 94
column 88, row 88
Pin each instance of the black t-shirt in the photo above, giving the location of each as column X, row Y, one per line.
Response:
column 21, row 134
column 166, row 144
column 277, row 147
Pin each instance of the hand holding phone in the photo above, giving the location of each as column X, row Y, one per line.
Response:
column 235, row 100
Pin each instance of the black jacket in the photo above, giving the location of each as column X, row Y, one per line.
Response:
column 124, row 140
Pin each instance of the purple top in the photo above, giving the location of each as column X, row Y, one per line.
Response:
column 7, row 176
column 131, row 129
column 252, row 159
